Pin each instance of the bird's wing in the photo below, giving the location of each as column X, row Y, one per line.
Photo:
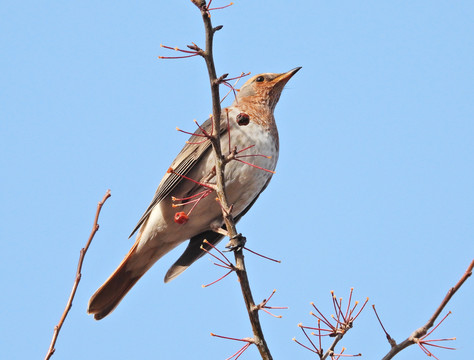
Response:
column 193, row 251
column 194, row 149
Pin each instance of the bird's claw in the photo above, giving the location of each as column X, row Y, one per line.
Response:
column 236, row 243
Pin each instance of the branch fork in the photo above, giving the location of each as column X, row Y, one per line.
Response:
column 344, row 320
column 247, row 340
column 263, row 306
column 418, row 336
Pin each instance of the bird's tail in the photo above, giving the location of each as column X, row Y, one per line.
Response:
column 135, row 264
column 109, row 295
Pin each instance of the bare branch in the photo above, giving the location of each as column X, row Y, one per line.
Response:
column 420, row 332
column 391, row 341
column 236, row 239
column 330, row 351
column 83, row 252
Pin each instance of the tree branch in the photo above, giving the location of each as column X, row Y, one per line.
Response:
column 83, row 252
column 420, row 332
column 330, row 351
column 241, row 271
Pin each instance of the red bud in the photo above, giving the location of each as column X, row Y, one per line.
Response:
column 181, row 218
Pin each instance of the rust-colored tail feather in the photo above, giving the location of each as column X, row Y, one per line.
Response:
column 109, row 295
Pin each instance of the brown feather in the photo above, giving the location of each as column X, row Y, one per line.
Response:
column 109, row 295
column 257, row 99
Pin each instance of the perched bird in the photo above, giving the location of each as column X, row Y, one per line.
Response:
column 248, row 125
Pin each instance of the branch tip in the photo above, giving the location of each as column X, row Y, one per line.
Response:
column 82, row 254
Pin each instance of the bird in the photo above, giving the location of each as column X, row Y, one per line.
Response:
column 248, row 127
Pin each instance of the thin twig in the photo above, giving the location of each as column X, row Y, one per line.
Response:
column 83, row 252
column 390, row 340
column 207, row 54
column 418, row 333
column 330, row 351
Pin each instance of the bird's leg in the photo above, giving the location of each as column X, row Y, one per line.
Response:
column 236, row 243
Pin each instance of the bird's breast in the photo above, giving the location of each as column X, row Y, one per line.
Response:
column 254, row 163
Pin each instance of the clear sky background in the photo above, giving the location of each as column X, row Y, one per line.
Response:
column 373, row 190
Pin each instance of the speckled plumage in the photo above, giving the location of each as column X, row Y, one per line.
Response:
column 158, row 233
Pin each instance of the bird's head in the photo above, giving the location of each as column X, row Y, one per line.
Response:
column 264, row 89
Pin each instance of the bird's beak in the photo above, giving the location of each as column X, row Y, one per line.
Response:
column 285, row 77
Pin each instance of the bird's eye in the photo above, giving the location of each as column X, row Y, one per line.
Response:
column 260, row 79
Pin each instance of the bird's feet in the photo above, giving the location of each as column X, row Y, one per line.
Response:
column 236, row 243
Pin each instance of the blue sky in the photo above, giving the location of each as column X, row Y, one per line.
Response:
column 373, row 190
